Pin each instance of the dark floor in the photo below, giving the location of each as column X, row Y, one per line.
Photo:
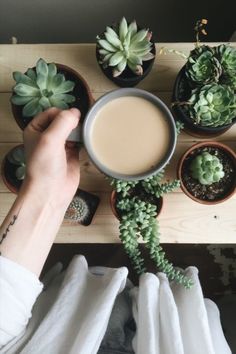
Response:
column 216, row 264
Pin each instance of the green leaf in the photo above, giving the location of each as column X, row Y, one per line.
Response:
column 107, row 46
column 116, row 59
column 56, row 81
column 139, row 36
column 32, row 108
column 23, row 79
column 111, row 31
column 64, row 97
column 66, row 86
column 52, row 69
column 18, row 155
column 42, row 67
column 41, row 81
column 25, row 90
column 58, row 103
column 44, row 103
column 21, row 100
column 122, row 65
column 31, row 73
column 134, row 59
column 20, row 173
column 113, row 40
column 123, row 29
column 132, row 28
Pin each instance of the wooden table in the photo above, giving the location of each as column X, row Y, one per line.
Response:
column 182, row 220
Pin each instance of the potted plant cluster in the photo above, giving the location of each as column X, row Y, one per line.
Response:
column 125, row 53
column 207, row 172
column 83, row 205
column 137, row 204
column 48, row 85
column 204, row 96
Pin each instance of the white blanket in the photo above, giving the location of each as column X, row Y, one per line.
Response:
column 71, row 315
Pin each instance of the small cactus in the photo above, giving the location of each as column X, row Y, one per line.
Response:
column 207, row 168
column 78, row 210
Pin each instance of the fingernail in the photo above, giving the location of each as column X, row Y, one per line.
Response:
column 75, row 111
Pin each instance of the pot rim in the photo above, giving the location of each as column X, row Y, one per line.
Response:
column 215, row 144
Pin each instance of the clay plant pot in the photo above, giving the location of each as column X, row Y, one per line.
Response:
column 8, row 174
column 82, row 93
column 159, row 204
column 181, row 93
column 228, row 159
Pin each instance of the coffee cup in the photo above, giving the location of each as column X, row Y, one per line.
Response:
column 128, row 133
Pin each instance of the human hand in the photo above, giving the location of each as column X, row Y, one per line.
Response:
column 52, row 166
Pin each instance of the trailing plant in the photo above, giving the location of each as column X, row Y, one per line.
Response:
column 125, row 46
column 213, row 105
column 17, row 158
column 138, row 218
column 41, row 88
column 207, row 168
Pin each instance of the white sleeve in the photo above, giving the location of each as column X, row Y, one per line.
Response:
column 19, row 289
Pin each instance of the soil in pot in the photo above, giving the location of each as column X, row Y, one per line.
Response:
column 84, row 99
column 181, row 93
column 128, row 78
column 141, row 194
column 218, row 190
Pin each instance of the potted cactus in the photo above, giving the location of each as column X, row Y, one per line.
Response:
column 48, row 85
column 125, row 53
column 13, row 168
column 204, row 96
column 136, row 204
column 207, row 172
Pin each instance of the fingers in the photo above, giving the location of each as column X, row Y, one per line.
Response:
column 43, row 120
column 62, row 125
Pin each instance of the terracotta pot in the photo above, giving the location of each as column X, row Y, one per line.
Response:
column 213, row 144
column 114, row 210
column 11, row 183
column 181, row 92
column 82, row 93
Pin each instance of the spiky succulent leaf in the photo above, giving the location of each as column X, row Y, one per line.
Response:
column 213, row 105
column 207, row 168
column 42, row 88
column 202, row 66
column 125, row 46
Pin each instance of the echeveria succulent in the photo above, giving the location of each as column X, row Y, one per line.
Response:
column 125, row 46
column 17, row 157
column 227, row 58
column 207, row 168
column 202, row 66
column 213, row 105
column 41, row 88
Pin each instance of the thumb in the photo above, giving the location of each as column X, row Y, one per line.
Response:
column 63, row 124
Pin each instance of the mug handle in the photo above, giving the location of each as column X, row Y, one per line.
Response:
column 76, row 135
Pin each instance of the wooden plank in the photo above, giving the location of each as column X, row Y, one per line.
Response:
column 82, row 58
column 181, row 221
column 92, row 180
column 10, row 132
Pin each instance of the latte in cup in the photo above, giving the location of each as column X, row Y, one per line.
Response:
column 130, row 135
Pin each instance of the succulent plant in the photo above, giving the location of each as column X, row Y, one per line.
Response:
column 138, row 218
column 227, row 58
column 125, row 46
column 17, row 157
column 212, row 105
column 202, row 66
column 41, row 88
column 207, row 168
column 78, row 210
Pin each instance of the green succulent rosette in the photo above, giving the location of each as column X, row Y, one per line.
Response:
column 207, row 168
column 227, row 58
column 202, row 66
column 125, row 46
column 212, row 105
column 41, row 88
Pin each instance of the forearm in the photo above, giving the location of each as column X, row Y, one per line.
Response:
column 30, row 228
